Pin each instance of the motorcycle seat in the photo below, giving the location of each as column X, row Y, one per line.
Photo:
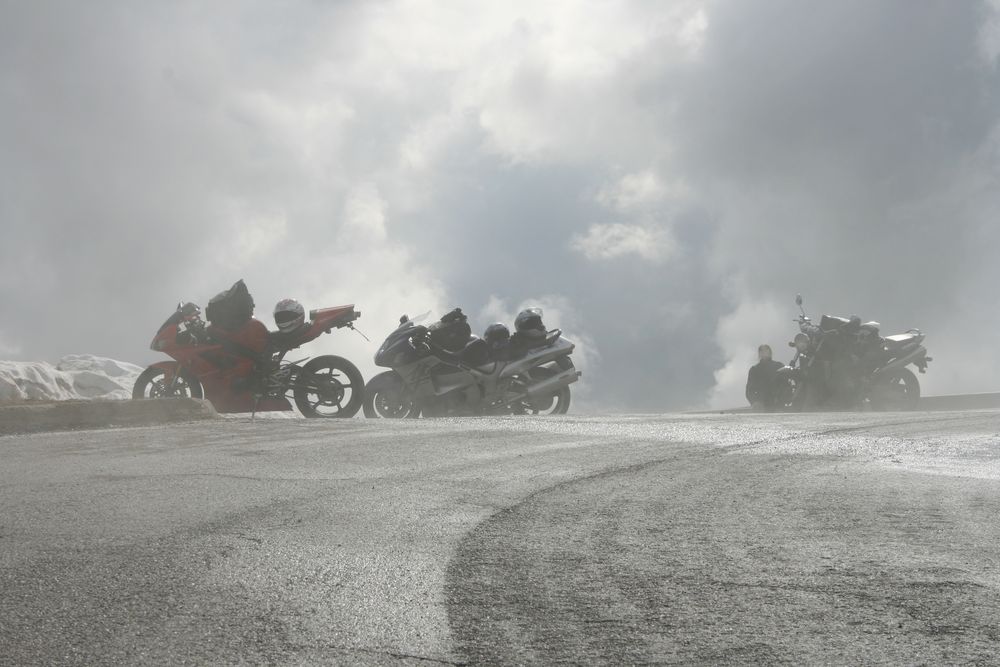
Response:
column 899, row 340
column 521, row 343
column 476, row 353
column 525, row 340
column 545, row 340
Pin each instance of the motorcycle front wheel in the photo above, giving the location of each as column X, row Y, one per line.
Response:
column 329, row 387
column 386, row 397
column 152, row 383
column 898, row 391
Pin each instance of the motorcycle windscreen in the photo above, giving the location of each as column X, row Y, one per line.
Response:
column 396, row 349
column 413, row 321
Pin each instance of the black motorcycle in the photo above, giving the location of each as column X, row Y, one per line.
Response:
column 842, row 363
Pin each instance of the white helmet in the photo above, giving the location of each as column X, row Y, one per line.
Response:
column 289, row 315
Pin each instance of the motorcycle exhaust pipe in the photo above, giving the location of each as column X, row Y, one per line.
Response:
column 901, row 362
column 550, row 385
column 564, row 379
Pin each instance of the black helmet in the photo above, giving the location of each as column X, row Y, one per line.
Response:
column 529, row 319
column 496, row 334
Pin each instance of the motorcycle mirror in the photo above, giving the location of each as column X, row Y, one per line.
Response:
column 404, row 319
column 798, row 302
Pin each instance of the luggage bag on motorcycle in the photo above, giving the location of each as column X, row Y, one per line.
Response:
column 452, row 332
column 232, row 308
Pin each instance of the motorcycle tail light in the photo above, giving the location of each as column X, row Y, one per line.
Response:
column 158, row 345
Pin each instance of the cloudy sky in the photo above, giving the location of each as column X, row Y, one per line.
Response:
column 662, row 177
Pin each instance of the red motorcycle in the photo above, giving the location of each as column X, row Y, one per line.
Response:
column 243, row 369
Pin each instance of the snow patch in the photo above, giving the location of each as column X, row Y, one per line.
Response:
column 75, row 377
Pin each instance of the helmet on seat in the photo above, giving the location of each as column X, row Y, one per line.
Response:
column 529, row 319
column 496, row 334
column 289, row 315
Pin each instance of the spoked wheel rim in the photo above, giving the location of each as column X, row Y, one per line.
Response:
column 328, row 391
column 157, row 386
column 556, row 403
column 392, row 403
column 552, row 404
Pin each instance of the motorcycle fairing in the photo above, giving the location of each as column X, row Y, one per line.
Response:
column 560, row 347
column 216, row 388
column 397, row 350
column 504, row 372
column 447, row 378
column 428, row 376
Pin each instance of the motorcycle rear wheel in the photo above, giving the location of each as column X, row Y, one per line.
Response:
column 898, row 391
column 556, row 403
column 151, row 383
column 386, row 397
column 329, row 387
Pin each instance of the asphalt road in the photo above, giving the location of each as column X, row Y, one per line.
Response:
column 693, row 539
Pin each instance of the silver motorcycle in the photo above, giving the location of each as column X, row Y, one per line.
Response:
column 469, row 377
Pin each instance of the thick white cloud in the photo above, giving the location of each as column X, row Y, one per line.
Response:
column 740, row 333
column 638, row 192
column 639, row 159
column 610, row 241
column 989, row 34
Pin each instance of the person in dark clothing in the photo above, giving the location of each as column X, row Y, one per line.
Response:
column 762, row 380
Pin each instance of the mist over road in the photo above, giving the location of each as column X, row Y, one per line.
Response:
column 694, row 538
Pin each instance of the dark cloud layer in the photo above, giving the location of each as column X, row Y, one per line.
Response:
column 669, row 174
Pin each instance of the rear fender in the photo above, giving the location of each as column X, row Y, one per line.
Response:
column 326, row 319
column 914, row 357
column 323, row 320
